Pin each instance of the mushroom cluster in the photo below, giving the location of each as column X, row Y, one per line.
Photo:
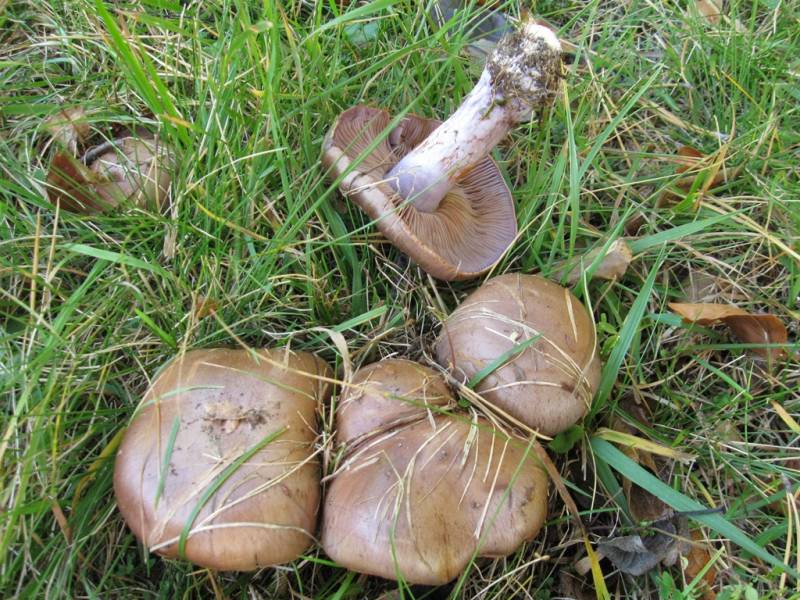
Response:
column 432, row 187
column 552, row 368
column 220, row 462
column 218, row 466
column 421, row 492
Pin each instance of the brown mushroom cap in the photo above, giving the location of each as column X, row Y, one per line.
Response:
column 469, row 231
column 550, row 384
column 135, row 170
column 386, row 394
column 204, row 412
column 420, row 500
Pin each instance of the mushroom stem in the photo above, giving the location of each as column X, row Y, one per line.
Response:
column 521, row 75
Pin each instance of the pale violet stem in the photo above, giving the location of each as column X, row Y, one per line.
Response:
column 519, row 77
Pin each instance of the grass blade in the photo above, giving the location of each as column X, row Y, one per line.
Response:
column 629, row 330
column 115, row 257
column 162, row 477
column 500, row 360
column 676, row 233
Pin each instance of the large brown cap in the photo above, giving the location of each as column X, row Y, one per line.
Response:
column 549, row 384
column 422, row 500
column 419, row 492
column 386, row 394
column 222, row 448
column 469, row 231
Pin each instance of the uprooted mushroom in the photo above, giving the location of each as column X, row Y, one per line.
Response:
column 219, row 465
column 421, row 492
column 545, row 340
column 432, row 187
column 133, row 168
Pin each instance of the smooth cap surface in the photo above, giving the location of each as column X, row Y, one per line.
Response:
column 472, row 227
column 176, row 469
column 550, row 384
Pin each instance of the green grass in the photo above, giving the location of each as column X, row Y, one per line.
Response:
column 91, row 307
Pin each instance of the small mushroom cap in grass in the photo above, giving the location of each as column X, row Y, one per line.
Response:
column 207, row 410
column 421, row 499
column 134, row 170
column 548, row 385
column 471, row 228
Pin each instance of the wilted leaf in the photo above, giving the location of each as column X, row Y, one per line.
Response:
column 696, row 559
column 710, row 10
column 697, row 165
column 693, row 159
column 134, row 170
column 700, row 286
column 640, row 444
column 613, row 264
column 726, row 432
column 643, row 505
column 70, row 184
column 636, row 555
column 786, row 417
column 748, row 328
column 68, row 127
column 630, row 555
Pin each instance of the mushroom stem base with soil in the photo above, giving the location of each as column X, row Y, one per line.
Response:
column 521, row 75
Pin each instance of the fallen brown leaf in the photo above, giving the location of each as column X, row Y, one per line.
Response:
column 612, row 266
column 694, row 162
column 710, row 10
column 61, row 519
column 691, row 158
column 696, row 559
column 747, row 327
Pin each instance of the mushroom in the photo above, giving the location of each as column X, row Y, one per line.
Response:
column 135, row 169
column 419, row 498
column 548, row 384
column 218, row 465
column 386, row 394
column 432, row 187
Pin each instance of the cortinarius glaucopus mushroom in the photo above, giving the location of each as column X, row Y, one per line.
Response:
column 220, row 457
column 387, row 394
column 135, row 169
column 547, row 385
column 421, row 499
column 432, row 187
